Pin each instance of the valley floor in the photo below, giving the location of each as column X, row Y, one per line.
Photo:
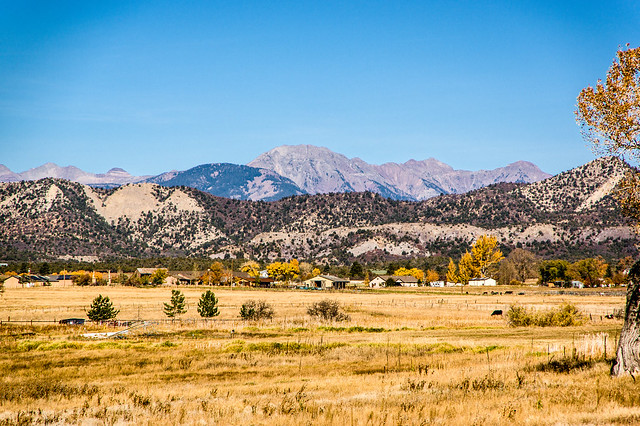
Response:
column 405, row 357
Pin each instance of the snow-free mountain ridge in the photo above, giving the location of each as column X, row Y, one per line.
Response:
column 115, row 176
column 318, row 170
column 304, row 169
column 231, row 181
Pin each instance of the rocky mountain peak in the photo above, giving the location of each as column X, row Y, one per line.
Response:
column 319, row 170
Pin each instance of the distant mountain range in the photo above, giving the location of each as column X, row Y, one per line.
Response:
column 570, row 215
column 113, row 177
column 303, row 169
column 318, row 170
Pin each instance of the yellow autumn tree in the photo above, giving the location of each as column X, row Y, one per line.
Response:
column 214, row 274
column 431, row 276
column 484, row 253
column 283, row 271
column 466, row 268
column 275, row 270
column 452, row 272
column 609, row 117
column 251, row 268
column 413, row 272
column 609, row 113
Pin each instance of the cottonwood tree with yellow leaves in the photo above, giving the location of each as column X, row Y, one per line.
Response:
column 466, row 270
column 431, row 276
column 452, row 272
column 609, row 117
column 214, row 274
column 251, row 268
column 283, row 271
column 484, row 254
column 475, row 264
column 413, row 272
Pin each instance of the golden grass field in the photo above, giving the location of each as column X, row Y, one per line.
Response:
column 410, row 356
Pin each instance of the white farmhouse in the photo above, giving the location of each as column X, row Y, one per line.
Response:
column 400, row 280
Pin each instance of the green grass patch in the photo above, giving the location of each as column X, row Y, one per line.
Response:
column 31, row 345
column 485, row 349
column 278, row 348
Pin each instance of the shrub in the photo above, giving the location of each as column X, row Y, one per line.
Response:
column 328, row 310
column 102, row 309
column 517, row 316
column 82, row 279
column 208, row 305
column 255, row 310
column 565, row 316
column 565, row 365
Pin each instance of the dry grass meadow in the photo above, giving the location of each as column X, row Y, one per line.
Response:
column 422, row 356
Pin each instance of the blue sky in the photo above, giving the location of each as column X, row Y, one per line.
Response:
column 154, row 86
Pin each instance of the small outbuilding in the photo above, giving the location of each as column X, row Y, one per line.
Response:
column 484, row 281
column 184, row 277
column 325, row 282
column 11, row 282
column 577, row 284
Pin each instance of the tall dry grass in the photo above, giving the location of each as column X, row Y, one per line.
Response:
column 404, row 358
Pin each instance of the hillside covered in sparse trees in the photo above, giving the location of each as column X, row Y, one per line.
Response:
column 570, row 215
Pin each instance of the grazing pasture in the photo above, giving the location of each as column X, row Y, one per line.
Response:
column 406, row 356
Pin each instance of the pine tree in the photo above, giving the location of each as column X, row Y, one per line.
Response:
column 208, row 305
column 102, row 309
column 177, row 305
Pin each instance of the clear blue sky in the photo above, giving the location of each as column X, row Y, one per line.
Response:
column 158, row 85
